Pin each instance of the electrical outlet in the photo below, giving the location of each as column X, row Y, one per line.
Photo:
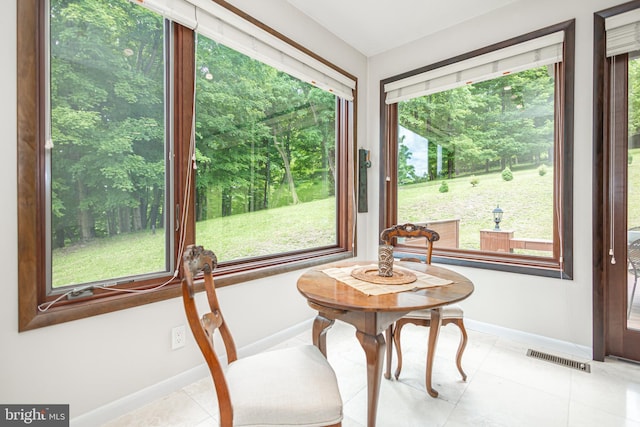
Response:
column 178, row 337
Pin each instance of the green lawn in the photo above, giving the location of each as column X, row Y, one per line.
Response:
column 237, row 236
column 527, row 202
column 106, row 258
column 270, row 231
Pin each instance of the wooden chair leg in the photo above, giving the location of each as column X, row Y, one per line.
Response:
column 389, row 349
column 396, row 340
column 461, row 347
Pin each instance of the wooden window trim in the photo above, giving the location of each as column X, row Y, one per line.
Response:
column 539, row 266
column 31, row 112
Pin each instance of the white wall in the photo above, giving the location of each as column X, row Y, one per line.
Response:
column 555, row 308
column 91, row 362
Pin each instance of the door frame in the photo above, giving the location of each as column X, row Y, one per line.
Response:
column 602, row 274
column 598, row 193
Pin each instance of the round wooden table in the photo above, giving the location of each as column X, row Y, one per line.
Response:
column 372, row 315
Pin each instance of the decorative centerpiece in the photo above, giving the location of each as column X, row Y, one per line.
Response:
column 383, row 273
column 370, row 274
column 385, row 261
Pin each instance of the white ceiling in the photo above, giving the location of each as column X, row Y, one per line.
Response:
column 375, row 26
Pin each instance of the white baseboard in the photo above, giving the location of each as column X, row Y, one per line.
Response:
column 536, row 342
column 119, row 407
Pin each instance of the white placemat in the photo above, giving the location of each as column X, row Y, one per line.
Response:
column 423, row 280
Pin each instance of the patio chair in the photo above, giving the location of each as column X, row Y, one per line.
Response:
column 293, row 386
column 633, row 255
column 452, row 313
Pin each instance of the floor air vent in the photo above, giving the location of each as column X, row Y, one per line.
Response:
column 581, row 366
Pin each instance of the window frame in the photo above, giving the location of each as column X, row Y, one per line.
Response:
column 561, row 263
column 32, row 230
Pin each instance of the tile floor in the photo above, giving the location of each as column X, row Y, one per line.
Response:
column 504, row 388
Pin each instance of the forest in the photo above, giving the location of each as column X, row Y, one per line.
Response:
column 263, row 139
column 484, row 126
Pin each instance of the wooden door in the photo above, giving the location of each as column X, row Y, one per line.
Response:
column 622, row 269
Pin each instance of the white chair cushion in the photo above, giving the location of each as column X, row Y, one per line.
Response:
column 452, row 311
column 293, row 386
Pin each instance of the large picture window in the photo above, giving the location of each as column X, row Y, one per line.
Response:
column 479, row 150
column 107, row 143
column 138, row 136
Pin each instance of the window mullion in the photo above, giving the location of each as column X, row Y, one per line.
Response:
column 183, row 120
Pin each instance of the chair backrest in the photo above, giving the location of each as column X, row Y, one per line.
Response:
column 411, row 231
column 633, row 253
column 196, row 259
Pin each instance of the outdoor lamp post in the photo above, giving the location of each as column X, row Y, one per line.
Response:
column 497, row 216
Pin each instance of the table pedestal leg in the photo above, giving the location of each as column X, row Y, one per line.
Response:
column 374, row 350
column 320, row 327
column 434, row 331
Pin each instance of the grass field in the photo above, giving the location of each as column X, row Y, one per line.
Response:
column 232, row 237
column 527, row 202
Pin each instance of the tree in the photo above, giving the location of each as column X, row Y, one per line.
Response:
column 406, row 172
column 634, row 98
column 230, row 135
column 107, row 117
column 503, row 120
column 260, row 134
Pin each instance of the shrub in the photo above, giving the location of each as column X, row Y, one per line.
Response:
column 444, row 187
column 542, row 170
column 507, row 175
column 630, row 159
column 474, row 181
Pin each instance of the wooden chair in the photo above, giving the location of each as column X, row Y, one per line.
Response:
column 450, row 313
column 293, row 386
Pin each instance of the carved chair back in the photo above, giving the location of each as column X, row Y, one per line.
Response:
column 411, row 231
column 196, row 259
column 633, row 253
